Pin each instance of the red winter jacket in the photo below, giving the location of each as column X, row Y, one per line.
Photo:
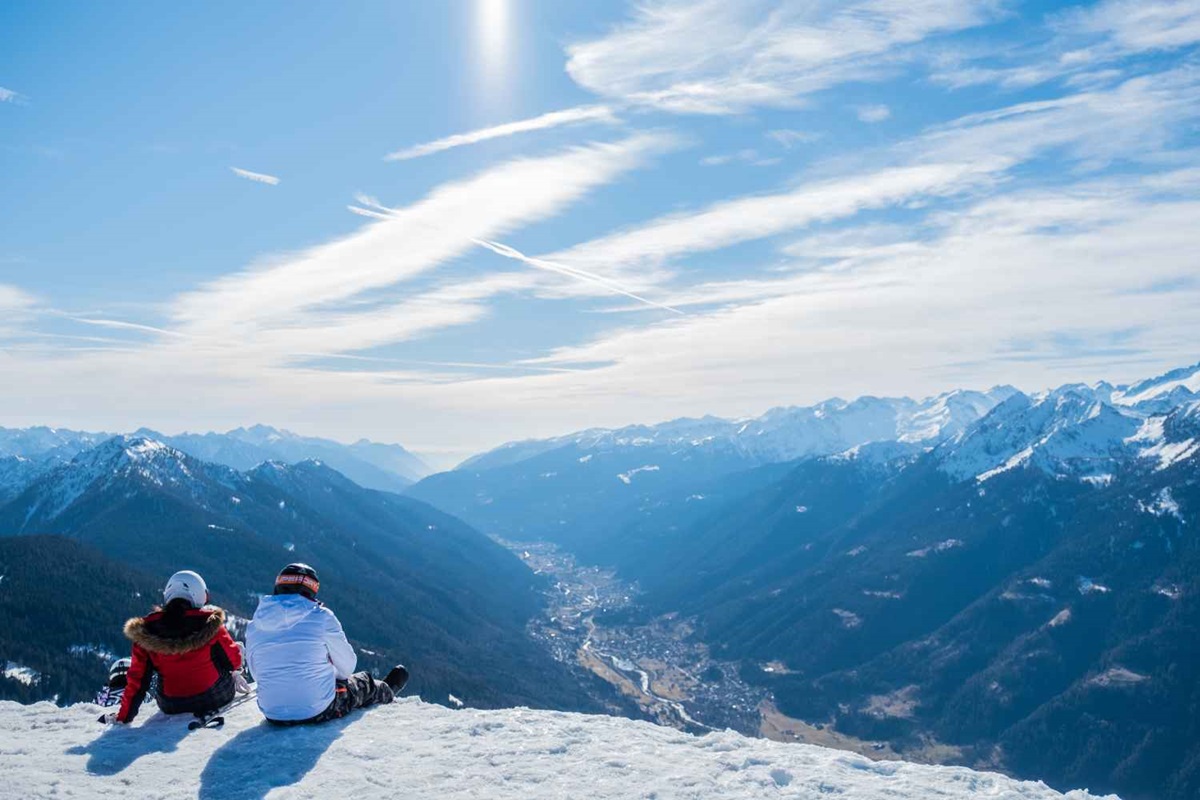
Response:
column 192, row 653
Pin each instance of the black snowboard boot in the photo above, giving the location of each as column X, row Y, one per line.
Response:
column 397, row 678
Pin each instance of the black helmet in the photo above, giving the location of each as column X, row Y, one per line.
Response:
column 118, row 672
column 298, row 579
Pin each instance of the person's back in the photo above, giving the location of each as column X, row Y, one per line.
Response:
column 186, row 644
column 288, row 645
column 301, row 662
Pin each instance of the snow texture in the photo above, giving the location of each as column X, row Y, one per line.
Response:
column 99, row 651
column 627, row 477
column 414, row 750
column 1180, row 382
column 1163, row 505
column 16, row 672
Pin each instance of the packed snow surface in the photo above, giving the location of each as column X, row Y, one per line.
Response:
column 414, row 750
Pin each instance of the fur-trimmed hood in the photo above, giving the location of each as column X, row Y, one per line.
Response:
column 149, row 632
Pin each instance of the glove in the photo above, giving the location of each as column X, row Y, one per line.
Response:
column 240, row 684
column 109, row 719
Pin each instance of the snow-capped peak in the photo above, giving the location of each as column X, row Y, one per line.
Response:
column 121, row 458
column 1068, row 431
column 121, row 451
column 1179, row 386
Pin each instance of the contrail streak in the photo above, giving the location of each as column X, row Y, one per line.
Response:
column 569, row 116
column 129, row 326
column 573, row 272
column 366, row 212
column 374, row 210
column 257, row 177
column 517, row 365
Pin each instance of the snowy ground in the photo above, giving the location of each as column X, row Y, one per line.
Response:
column 415, row 750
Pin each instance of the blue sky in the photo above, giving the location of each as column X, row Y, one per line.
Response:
column 456, row 224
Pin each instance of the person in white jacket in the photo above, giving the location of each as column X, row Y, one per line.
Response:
column 300, row 659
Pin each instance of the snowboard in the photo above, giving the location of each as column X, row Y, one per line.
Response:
column 216, row 717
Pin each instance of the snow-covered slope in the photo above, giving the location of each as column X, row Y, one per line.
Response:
column 125, row 461
column 1079, row 431
column 1174, row 388
column 1169, row 439
column 1069, row 431
column 415, row 750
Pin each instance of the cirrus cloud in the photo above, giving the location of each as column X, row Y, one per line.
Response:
column 719, row 57
column 553, row 119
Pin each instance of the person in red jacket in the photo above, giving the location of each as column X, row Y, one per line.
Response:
column 186, row 644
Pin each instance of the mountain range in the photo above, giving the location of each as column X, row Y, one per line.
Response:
column 1010, row 579
column 29, row 452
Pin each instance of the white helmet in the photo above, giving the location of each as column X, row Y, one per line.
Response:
column 188, row 585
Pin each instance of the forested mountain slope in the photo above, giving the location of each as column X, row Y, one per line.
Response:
column 411, row 584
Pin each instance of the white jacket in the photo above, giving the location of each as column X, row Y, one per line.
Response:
column 296, row 650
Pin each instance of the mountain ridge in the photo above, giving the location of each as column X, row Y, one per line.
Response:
column 26, row 453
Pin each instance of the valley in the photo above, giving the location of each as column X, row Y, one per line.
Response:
column 592, row 620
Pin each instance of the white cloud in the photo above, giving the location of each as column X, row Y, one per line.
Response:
column 789, row 138
column 570, row 116
column 17, row 308
column 720, row 57
column 960, row 76
column 14, row 299
column 632, row 253
column 329, row 333
column 747, row 156
column 257, row 177
column 1082, row 45
column 871, row 114
column 1140, row 25
column 8, row 95
column 273, row 303
column 1137, row 118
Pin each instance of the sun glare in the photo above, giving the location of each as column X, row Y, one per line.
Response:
column 493, row 35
